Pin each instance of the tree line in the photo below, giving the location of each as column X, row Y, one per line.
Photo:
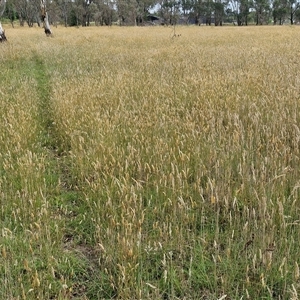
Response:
column 147, row 12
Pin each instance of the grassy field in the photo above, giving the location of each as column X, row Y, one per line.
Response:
column 138, row 165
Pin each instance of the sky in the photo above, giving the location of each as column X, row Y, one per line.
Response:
column 154, row 9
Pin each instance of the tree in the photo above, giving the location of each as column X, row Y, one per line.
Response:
column 186, row 6
column 143, row 7
column 198, row 10
column 89, row 8
column 279, row 12
column 294, row 6
column 64, row 9
column 2, row 32
column 262, row 10
column 170, row 11
column 208, row 6
column 127, row 11
column 219, row 13
column 240, row 10
column 28, row 11
column 44, row 18
column 76, row 13
column 297, row 15
column 105, row 13
column 10, row 12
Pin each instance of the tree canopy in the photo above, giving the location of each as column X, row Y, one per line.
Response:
column 148, row 12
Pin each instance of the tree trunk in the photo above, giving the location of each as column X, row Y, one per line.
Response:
column 44, row 18
column 2, row 34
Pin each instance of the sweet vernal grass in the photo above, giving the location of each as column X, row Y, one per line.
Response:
column 139, row 165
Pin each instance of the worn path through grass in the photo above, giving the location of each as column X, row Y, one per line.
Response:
column 45, row 237
column 66, row 198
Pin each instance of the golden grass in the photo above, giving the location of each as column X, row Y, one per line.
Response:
column 177, row 169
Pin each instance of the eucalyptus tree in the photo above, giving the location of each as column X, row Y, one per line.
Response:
column 82, row 12
column 2, row 32
column 293, row 8
column 297, row 16
column 32, row 10
column 241, row 10
column 133, row 12
column 43, row 18
column 62, row 9
column 262, row 11
column 127, row 11
column 10, row 11
column 279, row 11
column 187, row 7
column 105, row 12
column 198, row 10
column 21, row 8
column 76, row 13
column 142, row 9
column 86, row 12
column 245, row 6
column 28, row 11
column 208, row 9
column 219, row 11
column 204, row 10
column 170, row 11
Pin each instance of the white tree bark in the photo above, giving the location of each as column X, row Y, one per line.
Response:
column 44, row 18
column 2, row 32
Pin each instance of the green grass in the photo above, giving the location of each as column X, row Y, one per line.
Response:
column 137, row 166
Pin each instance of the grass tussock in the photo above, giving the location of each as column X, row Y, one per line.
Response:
column 135, row 165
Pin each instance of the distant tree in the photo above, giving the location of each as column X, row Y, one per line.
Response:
column 127, row 11
column 187, row 6
column 219, row 8
column 198, row 10
column 105, row 13
column 40, row 15
column 241, row 11
column 297, row 15
column 142, row 10
column 76, row 13
column 62, row 10
column 245, row 6
column 83, row 12
column 293, row 7
column 170, row 11
column 28, row 11
column 10, row 11
column 279, row 11
column 208, row 9
column 262, row 11
column 86, row 12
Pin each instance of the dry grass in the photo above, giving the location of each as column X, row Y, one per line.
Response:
column 135, row 165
